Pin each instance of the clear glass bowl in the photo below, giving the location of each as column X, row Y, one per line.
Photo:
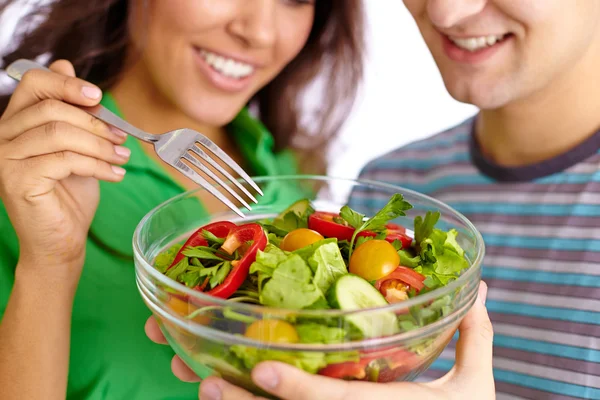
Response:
column 211, row 340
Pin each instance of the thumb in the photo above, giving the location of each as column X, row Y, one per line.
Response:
column 474, row 346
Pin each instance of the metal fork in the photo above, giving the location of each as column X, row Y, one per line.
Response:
column 172, row 147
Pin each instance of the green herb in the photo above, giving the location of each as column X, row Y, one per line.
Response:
column 393, row 209
column 353, row 218
column 201, row 252
column 272, row 229
column 408, row 259
column 361, row 239
column 424, row 228
column 211, row 238
column 178, row 269
column 190, row 279
column 222, row 272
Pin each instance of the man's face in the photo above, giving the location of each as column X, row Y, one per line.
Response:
column 492, row 53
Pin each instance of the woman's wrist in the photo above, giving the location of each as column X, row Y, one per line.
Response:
column 58, row 281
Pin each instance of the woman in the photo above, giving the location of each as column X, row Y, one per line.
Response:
column 65, row 256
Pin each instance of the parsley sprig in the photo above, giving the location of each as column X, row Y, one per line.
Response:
column 393, row 209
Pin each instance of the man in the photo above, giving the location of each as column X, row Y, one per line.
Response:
column 526, row 171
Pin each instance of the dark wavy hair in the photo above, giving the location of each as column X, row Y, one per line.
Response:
column 94, row 36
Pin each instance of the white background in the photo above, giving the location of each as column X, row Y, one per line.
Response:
column 403, row 98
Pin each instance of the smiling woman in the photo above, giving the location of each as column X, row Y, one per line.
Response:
column 204, row 60
column 67, row 221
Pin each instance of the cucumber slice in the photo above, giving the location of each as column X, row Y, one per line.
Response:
column 351, row 292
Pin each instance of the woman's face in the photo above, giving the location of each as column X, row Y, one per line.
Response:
column 209, row 57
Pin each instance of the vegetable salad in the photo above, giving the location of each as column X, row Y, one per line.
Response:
column 305, row 259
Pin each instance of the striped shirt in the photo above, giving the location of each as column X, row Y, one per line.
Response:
column 541, row 227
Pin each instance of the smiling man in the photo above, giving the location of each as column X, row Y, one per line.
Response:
column 526, row 171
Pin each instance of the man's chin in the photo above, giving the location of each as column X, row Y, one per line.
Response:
column 484, row 97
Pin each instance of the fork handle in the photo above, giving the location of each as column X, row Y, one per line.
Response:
column 17, row 69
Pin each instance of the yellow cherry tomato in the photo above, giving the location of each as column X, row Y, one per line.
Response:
column 299, row 238
column 374, row 259
column 183, row 308
column 272, row 330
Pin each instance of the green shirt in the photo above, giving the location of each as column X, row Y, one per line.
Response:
column 111, row 357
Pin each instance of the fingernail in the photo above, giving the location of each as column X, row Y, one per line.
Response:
column 210, row 391
column 122, row 151
column 91, row 92
column 482, row 293
column 117, row 131
column 266, row 377
column 118, row 170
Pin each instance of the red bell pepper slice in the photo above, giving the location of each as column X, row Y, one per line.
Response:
column 323, row 222
column 406, row 275
column 219, row 229
column 397, row 360
column 345, row 370
column 235, row 237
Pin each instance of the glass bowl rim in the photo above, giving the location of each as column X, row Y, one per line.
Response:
column 331, row 313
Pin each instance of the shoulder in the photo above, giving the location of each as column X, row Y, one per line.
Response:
column 444, row 148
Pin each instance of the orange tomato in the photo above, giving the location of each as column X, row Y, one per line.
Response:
column 374, row 259
column 272, row 330
column 183, row 308
column 299, row 238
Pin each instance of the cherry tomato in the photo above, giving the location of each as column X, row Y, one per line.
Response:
column 184, row 308
column 272, row 330
column 299, row 238
column 323, row 222
column 404, row 274
column 374, row 259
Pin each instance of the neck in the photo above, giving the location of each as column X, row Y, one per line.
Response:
column 146, row 108
column 546, row 124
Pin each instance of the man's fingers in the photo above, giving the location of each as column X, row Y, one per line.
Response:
column 182, row 371
column 474, row 346
column 217, row 389
column 153, row 331
column 290, row 383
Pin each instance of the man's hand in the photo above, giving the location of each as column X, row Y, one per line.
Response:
column 471, row 377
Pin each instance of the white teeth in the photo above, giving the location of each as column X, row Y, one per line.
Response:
column 476, row 43
column 227, row 66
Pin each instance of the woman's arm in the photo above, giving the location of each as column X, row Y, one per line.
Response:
column 35, row 335
column 52, row 156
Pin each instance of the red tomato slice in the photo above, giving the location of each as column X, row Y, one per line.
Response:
column 406, row 275
column 345, row 370
column 399, row 362
column 323, row 222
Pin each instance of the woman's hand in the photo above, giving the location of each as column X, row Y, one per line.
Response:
column 52, row 155
column 471, row 377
